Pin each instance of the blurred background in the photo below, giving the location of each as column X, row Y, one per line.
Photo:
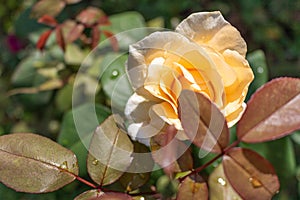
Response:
column 36, row 87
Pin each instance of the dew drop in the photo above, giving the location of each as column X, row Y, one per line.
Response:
column 95, row 162
column 221, row 181
column 114, row 74
column 260, row 70
column 64, row 165
column 255, row 183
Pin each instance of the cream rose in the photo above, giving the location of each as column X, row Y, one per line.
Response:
column 204, row 54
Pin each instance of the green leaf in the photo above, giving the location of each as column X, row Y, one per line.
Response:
column 75, row 55
column 296, row 137
column 24, row 25
column 130, row 26
column 26, row 71
column 35, row 164
column 251, row 175
column 114, row 80
column 166, row 186
column 48, row 85
column 192, row 188
column 69, row 137
column 203, row 122
column 272, row 112
column 27, row 75
column 63, row 98
column 109, row 153
column 258, row 63
column 219, row 187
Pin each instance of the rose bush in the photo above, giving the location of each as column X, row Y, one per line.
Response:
column 204, row 54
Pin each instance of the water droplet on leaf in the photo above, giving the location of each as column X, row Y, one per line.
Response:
column 255, row 183
column 260, row 70
column 64, row 165
column 221, row 181
column 114, row 74
column 95, row 162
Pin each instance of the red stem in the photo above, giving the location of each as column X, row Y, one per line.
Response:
column 199, row 169
column 86, row 182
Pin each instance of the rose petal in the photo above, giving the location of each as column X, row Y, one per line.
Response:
column 166, row 43
column 211, row 29
column 235, row 116
column 156, row 71
column 137, row 107
column 165, row 111
column 243, row 73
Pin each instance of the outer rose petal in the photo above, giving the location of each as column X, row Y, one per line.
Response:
column 234, row 117
column 211, row 29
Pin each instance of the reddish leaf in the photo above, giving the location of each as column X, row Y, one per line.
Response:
column 185, row 161
column 90, row 16
column 88, row 195
column 47, row 7
column 219, row 187
column 60, row 38
column 43, row 39
column 35, row 164
column 48, row 20
column 163, row 147
column 166, row 149
column 110, row 153
column 103, row 21
column 75, row 33
column 97, row 195
column 192, row 188
column 251, row 175
column 95, row 36
column 203, row 122
column 113, row 40
column 272, row 112
column 112, row 196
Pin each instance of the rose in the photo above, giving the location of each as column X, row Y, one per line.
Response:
column 204, row 54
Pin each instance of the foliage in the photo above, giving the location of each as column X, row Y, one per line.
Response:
column 38, row 88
